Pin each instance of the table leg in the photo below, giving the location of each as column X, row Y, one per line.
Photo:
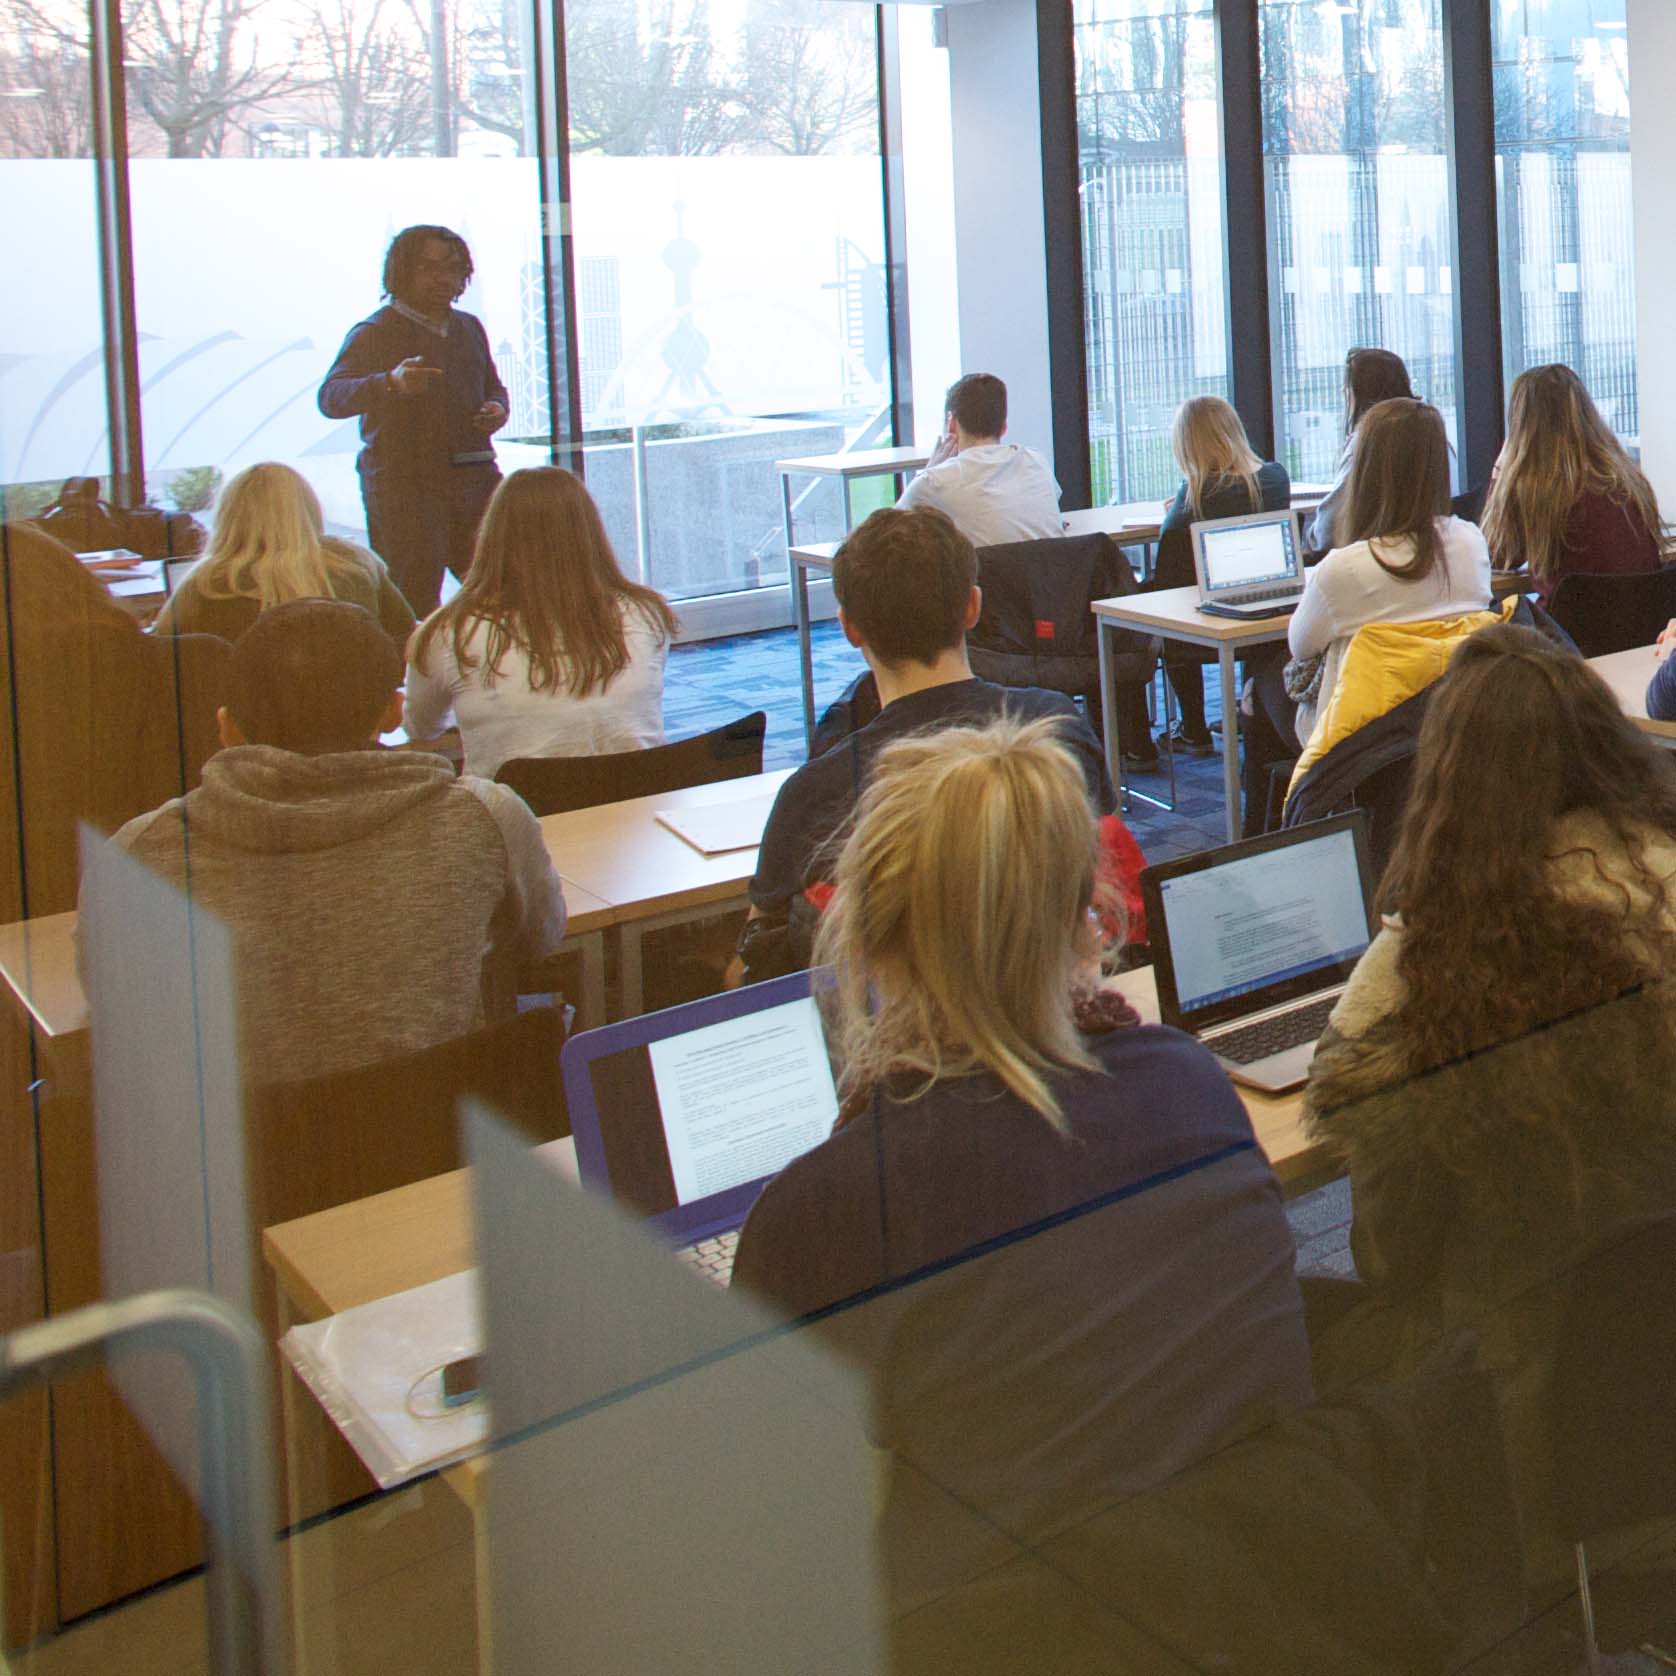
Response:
column 1230, row 738
column 1108, row 704
column 630, row 982
column 805, row 653
column 590, row 1010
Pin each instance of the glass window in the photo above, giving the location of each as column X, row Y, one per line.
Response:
column 729, row 240
column 1563, row 195
column 1148, row 132
column 1360, row 242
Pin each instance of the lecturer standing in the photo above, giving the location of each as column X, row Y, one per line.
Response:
column 419, row 376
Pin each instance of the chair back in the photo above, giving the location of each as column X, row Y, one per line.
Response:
column 1036, row 594
column 1614, row 1423
column 552, row 785
column 1613, row 613
column 330, row 1140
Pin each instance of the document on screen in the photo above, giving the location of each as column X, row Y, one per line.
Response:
column 741, row 1099
column 1247, row 553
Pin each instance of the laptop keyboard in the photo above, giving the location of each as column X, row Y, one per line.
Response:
column 712, row 1258
column 1252, row 1042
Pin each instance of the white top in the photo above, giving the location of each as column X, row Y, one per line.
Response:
column 995, row 492
column 505, row 719
column 1350, row 588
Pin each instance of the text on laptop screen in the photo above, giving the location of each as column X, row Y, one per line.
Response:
column 1259, row 919
column 1245, row 555
column 690, row 1116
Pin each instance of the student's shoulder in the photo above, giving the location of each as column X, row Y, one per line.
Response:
column 1177, row 1070
column 1031, row 704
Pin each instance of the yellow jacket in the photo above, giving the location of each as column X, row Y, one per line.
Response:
column 1384, row 664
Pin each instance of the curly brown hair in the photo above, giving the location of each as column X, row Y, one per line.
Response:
column 1518, row 735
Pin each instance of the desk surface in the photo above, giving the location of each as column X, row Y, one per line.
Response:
column 620, row 853
column 859, row 462
column 38, row 966
column 1627, row 674
column 1175, row 611
column 354, row 1253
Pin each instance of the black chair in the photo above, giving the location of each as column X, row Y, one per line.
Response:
column 1613, row 613
column 1614, row 1416
column 552, row 785
column 1036, row 628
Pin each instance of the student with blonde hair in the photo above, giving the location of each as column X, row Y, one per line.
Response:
column 1221, row 478
column 547, row 649
column 1075, row 1272
column 269, row 546
column 1566, row 498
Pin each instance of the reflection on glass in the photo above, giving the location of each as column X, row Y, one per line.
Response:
column 1150, row 178
column 1563, row 195
column 709, row 350
column 1358, row 209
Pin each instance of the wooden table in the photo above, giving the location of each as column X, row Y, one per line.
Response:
column 1627, row 674
column 649, row 877
column 1174, row 614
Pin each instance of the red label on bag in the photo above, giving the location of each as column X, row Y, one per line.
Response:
column 1044, row 629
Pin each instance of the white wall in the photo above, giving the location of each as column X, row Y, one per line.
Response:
column 995, row 104
column 1652, row 36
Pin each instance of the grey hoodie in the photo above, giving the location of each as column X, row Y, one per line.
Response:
column 370, row 895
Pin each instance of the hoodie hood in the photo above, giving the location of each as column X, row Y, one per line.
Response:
column 269, row 801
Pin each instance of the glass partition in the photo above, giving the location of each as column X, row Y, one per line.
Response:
column 1360, row 245
column 1154, row 268
column 1563, row 196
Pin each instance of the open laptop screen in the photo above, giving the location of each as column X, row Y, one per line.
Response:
column 683, row 1114
column 1249, row 552
column 1257, row 923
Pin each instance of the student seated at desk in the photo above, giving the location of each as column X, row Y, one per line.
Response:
column 994, row 491
column 1499, row 1074
column 1221, row 478
column 547, row 649
column 907, row 591
column 376, row 902
column 1565, row 497
column 1371, row 376
column 269, row 545
column 1090, row 1270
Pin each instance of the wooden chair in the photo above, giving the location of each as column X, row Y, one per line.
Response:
column 1613, row 613
column 553, row 785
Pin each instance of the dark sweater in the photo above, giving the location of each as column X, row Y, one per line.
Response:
column 1088, row 1311
column 1603, row 537
column 816, row 801
column 1226, row 497
column 413, row 436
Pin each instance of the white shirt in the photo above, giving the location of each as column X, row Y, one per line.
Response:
column 505, row 720
column 995, row 492
column 1349, row 588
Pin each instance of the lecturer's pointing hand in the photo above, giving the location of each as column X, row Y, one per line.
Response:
column 412, row 377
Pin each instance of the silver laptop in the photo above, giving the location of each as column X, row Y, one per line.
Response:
column 1253, row 943
column 1251, row 566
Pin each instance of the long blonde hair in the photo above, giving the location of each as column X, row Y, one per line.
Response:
column 961, row 896
column 269, row 543
column 1558, row 450
column 543, row 578
column 1211, row 445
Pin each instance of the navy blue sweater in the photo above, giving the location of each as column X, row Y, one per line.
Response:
column 413, row 436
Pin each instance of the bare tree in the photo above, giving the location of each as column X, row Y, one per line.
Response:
column 45, row 97
column 367, row 61
column 189, row 72
column 489, row 69
column 658, row 93
column 809, row 90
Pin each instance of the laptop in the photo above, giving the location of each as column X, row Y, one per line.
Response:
column 683, row 1115
column 1254, row 942
column 1249, row 567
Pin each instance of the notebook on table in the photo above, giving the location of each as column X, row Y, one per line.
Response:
column 683, row 1115
column 1249, row 567
column 1254, row 942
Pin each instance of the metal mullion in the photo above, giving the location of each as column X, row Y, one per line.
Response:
column 1470, row 103
column 894, row 189
column 558, row 259
column 1245, row 219
column 114, row 210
